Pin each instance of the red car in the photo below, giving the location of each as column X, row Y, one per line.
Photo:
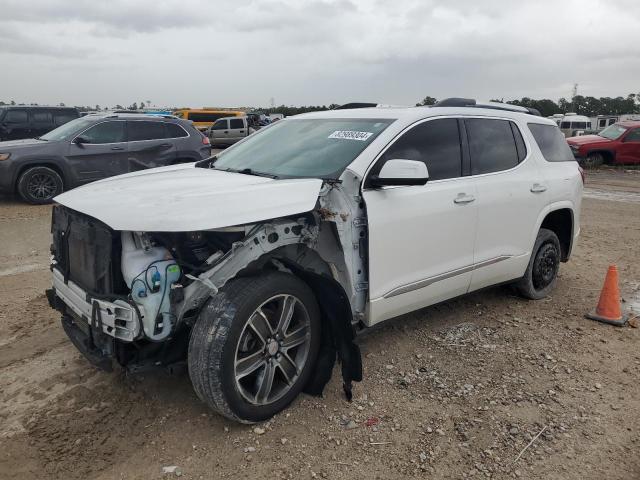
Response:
column 615, row 145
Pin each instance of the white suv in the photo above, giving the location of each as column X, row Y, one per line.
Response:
column 258, row 267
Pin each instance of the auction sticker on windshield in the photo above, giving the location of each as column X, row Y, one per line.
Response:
column 351, row 135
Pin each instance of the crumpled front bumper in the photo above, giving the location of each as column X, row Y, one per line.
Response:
column 116, row 318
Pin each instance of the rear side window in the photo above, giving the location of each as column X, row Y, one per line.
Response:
column 16, row 116
column 552, row 143
column 436, row 143
column 41, row 117
column 492, row 145
column 62, row 118
column 106, row 132
column 145, row 131
column 236, row 123
column 175, row 131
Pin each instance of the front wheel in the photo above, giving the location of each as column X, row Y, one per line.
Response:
column 254, row 346
column 594, row 160
column 39, row 185
column 542, row 272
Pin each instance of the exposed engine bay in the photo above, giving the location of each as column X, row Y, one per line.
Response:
column 134, row 296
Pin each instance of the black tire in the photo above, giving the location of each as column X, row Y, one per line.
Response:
column 594, row 160
column 39, row 185
column 542, row 272
column 218, row 334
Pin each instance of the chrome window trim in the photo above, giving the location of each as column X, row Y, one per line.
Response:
column 132, row 141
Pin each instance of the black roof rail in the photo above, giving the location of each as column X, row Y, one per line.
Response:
column 471, row 102
column 456, row 102
column 356, row 105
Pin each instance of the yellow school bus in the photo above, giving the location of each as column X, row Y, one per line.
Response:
column 203, row 118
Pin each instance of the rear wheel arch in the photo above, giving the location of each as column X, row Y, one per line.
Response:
column 561, row 222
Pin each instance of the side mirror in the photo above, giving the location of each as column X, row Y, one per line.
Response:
column 401, row 172
column 79, row 140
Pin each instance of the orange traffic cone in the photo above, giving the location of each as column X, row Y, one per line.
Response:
column 608, row 309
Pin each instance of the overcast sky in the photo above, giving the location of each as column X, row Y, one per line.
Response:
column 303, row 52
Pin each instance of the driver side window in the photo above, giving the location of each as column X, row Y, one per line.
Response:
column 220, row 125
column 434, row 142
column 106, row 132
column 633, row 136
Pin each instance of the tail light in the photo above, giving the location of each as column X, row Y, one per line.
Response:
column 582, row 174
column 205, row 140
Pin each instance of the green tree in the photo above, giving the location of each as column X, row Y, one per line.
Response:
column 141, row 105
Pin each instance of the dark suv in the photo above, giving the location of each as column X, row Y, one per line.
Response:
column 21, row 121
column 94, row 147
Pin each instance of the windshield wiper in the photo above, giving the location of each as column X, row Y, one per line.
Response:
column 248, row 171
column 40, row 138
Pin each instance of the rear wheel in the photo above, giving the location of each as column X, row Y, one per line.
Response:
column 594, row 160
column 39, row 185
column 254, row 345
column 542, row 272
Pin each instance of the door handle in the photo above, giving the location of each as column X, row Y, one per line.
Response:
column 165, row 145
column 241, row 131
column 117, row 148
column 463, row 198
column 538, row 188
column 226, row 131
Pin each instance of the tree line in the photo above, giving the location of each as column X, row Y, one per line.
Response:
column 581, row 105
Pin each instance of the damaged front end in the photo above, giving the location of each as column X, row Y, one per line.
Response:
column 133, row 297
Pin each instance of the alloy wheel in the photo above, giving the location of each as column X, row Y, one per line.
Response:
column 272, row 349
column 42, row 186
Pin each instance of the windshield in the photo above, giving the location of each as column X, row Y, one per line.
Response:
column 68, row 129
column 613, row 132
column 317, row 148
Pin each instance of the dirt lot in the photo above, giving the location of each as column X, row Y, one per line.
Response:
column 454, row 391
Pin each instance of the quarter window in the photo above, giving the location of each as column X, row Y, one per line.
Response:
column 142, row 130
column 435, row 142
column 492, row 146
column 552, row 143
column 175, row 131
column 106, row 132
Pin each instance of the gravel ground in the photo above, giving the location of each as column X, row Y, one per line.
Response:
column 454, row 391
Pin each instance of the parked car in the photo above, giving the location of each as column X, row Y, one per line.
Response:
column 229, row 130
column 258, row 267
column 21, row 121
column 203, row 118
column 94, row 147
column 617, row 144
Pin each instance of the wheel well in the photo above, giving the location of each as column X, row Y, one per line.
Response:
column 52, row 166
column 607, row 155
column 338, row 333
column 561, row 223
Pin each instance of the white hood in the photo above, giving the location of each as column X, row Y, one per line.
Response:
column 183, row 198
